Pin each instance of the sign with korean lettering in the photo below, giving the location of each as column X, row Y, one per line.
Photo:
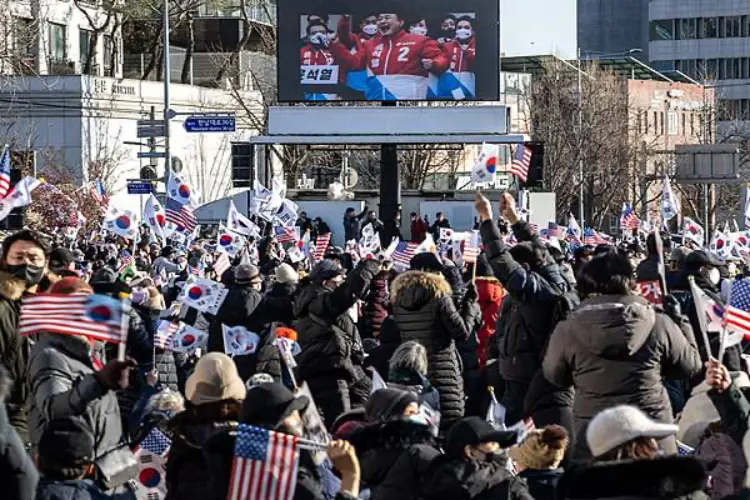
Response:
column 319, row 75
column 649, row 290
column 210, row 124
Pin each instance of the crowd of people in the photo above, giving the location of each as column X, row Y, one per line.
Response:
column 534, row 372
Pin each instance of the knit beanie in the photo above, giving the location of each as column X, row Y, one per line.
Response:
column 286, row 274
column 542, row 449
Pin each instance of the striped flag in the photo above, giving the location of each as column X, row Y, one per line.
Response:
column 321, row 245
column 125, row 260
column 286, row 234
column 180, row 215
column 628, row 219
column 221, row 264
column 737, row 313
column 521, row 162
column 471, row 251
column 264, row 465
column 5, row 172
column 164, row 334
column 94, row 316
column 403, row 253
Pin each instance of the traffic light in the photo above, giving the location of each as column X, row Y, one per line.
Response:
column 243, row 165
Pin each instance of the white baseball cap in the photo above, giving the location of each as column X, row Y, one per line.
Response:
column 616, row 426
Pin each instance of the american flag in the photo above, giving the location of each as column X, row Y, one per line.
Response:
column 286, row 234
column 521, row 162
column 737, row 313
column 684, row 450
column 125, row 260
column 221, row 264
column 5, row 173
column 628, row 219
column 554, row 230
column 591, row 237
column 95, row 316
column 321, row 245
column 98, row 192
column 264, row 465
column 165, row 333
column 471, row 251
column 403, row 253
column 156, row 442
column 180, row 215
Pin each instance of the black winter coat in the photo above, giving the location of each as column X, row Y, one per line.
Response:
column 85, row 489
column 14, row 351
column 424, row 312
column 526, row 321
column 542, row 483
column 389, row 340
column 674, row 478
column 394, row 457
column 18, row 475
column 472, row 480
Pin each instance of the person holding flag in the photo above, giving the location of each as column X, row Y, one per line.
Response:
column 63, row 382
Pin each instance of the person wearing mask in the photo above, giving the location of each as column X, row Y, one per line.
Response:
column 418, row 228
column 629, row 464
column 351, row 223
column 474, row 465
column 537, row 459
column 447, row 29
column 395, row 447
column 407, row 371
column 424, row 311
column 214, row 395
column 440, row 222
column 22, row 268
column 165, row 264
column 316, row 52
column 66, row 462
column 703, row 267
column 17, row 472
column 245, row 306
column 332, row 355
column 274, row 407
column 459, row 82
column 356, row 80
column 304, row 224
column 535, row 291
column 283, row 290
column 61, row 265
column 320, row 228
column 626, row 365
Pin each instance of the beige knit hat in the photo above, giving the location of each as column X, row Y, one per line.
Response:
column 215, row 378
column 542, row 449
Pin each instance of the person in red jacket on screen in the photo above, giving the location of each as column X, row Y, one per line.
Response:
column 398, row 62
column 459, row 83
column 316, row 53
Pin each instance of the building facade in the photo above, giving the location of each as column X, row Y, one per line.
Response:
column 612, row 27
column 710, row 42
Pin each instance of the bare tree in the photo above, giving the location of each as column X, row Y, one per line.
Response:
column 99, row 19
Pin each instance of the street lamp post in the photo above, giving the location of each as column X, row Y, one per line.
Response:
column 167, row 78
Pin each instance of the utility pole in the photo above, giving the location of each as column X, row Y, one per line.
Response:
column 167, row 104
column 580, row 144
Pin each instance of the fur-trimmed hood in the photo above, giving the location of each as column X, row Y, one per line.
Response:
column 11, row 288
column 413, row 289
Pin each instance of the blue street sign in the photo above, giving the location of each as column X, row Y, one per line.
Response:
column 210, row 124
column 151, row 154
column 140, row 187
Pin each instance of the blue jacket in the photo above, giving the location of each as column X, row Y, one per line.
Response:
column 84, row 489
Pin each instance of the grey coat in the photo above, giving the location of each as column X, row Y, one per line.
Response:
column 63, row 384
column 614, row 350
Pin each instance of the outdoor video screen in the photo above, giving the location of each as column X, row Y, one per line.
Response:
column 388, row 50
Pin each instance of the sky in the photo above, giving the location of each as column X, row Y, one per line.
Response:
column 533, row 27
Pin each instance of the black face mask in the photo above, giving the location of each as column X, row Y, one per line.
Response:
column 449, row 33
column 31, row 275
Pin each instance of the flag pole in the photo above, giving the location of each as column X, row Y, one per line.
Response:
column 124, row 322
column 723, row 340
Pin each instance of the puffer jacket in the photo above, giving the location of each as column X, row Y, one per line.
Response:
column 82, row 489
column 14, row 351
column 394, row 457
column 332, row 356
column 614, row 350
column 63, row 384
column 459, row 479
column 490, row 296
column 18, row 475
column 197, row 460
column 526, row 321
column 675, row 478
column 424, row 312
column 376, row 305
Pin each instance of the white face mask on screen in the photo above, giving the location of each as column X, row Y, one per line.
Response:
column 463, row 34
column 370, row 29
column 418, row 30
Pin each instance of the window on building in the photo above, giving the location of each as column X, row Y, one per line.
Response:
column 692, row 123
column 672, row 123
column 733, row 68
column 709, row 27
column 109, row 47
column 84, row 45
column 733, row 26
column 58, row 49
column 712, row 69
column 656, row 122
column 24, row 37
column 684, row 123
column 746, row 26
column 645, row 122
column 661, row 123
column 688, row 29
column 745, row 68
column 662, row 30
